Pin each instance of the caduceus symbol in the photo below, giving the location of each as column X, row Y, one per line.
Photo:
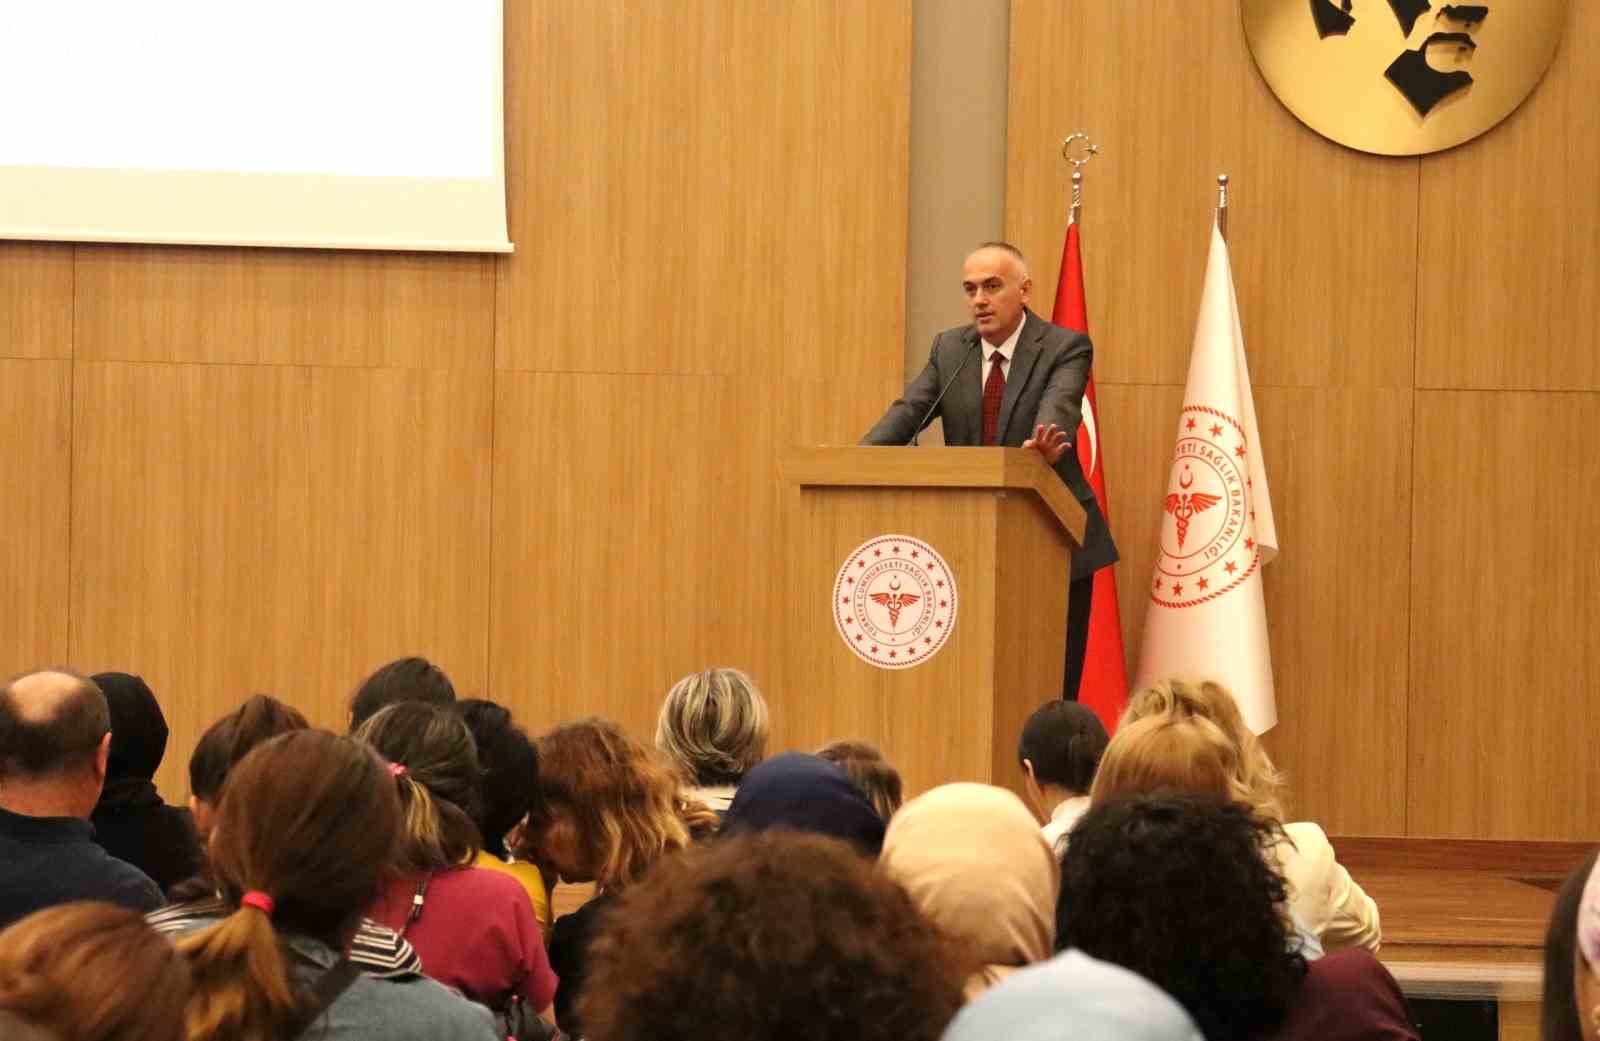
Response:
column 1184, row 505
column 895, row 601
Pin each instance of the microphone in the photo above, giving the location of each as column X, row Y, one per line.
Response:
column 928, row 417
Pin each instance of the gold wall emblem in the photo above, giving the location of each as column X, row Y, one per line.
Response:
column 1402, row 77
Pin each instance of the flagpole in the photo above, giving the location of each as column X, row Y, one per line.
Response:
column 1090, row 150
column 1222, row 205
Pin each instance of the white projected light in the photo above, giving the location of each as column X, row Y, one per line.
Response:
column 318, row 123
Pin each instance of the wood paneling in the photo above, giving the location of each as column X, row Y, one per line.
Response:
column 35, row 300
column 1509, row 283
column 634, row 540
column 35, row 469
column 699, row 200
column 284, row 307
column 242, row 528
column 1504, row 610
column 1339, row 660
column 1339, row 465
column 1323, row 238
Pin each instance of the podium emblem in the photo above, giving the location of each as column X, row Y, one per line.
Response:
column 894, row 601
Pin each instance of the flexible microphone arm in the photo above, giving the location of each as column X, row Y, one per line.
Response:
column 928, row 418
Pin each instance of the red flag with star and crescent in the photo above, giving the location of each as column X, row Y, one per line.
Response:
column 1104, row 687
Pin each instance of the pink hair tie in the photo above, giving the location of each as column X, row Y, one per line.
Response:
column 397, row 769
column 258, row 900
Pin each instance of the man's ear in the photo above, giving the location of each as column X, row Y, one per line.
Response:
column 102, row 756
column 1027, row 770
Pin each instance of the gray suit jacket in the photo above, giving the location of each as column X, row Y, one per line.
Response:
column 1049, row 370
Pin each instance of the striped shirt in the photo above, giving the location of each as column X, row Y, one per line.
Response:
column 377, row 950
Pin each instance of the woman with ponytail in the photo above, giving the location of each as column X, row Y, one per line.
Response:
column 305, row 829
column 473, row 927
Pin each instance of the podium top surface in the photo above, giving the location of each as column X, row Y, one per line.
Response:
column 1019, row 469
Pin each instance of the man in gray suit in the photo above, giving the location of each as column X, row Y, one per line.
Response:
column 1012, row 379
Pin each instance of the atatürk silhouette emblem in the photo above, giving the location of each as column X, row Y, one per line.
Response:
column 895, row 601
column 1421, row 84
column 1184, row 505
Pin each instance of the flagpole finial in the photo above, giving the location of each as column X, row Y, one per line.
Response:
column 1222, row 204
column 1077, row 150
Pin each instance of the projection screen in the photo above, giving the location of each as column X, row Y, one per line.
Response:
column 349, row 124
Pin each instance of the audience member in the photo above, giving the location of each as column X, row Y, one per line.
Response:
column 610, row 813
column 1059, row 751
column 404, row 679
column 1180, row 890
column 131, row 821
column 225, row 743
column 1325, row 899
column 873, row 775
column 306, row 828
column 973, row 860
column 55, row 740
column 802, row 792
column 376, row 950
column 1184, row 890
column 1188, row 755
column 90, row 972
column 508, row 768
column 1073, row 997
column 769, row 937
column 1571, row 1004
column 473, row 928
column 713, row 727
column 1348, row 996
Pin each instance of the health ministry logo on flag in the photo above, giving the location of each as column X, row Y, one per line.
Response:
column 1207, row 616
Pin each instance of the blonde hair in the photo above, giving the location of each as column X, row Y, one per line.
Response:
column 1186, row 754
column 714, row 726
column 623, row 799
column 1259, row 783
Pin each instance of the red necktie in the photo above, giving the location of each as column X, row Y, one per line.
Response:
column 994, row 388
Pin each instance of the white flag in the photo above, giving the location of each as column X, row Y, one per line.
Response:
column 1207, row 618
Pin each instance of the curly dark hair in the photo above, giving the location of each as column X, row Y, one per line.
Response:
column 1184, row 891
column 776, row 935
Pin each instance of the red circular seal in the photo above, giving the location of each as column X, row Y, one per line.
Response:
column 894, row 601
column 1207, row 541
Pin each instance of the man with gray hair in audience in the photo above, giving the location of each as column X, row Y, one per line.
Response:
column 55, row 738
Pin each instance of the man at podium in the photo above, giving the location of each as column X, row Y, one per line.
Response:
column 1011, row 379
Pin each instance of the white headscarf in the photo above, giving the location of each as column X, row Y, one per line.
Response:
column 1073, row 997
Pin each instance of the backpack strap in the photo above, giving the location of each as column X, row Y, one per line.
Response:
column 326, row 991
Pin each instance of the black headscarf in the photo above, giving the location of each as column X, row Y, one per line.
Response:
column 803, row 793
column 138, row 728
column 131, row 821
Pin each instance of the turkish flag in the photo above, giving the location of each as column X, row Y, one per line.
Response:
column 1207, row 617
column 1104, row 686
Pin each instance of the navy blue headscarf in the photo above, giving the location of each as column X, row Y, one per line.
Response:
column 803, row 793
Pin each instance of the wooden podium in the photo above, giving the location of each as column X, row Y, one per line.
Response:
column 1005, row 527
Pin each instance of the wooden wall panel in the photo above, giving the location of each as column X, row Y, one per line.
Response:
column 1339, row 660
column 1509, row 283
column 243, row 528
column 35, row 300
column 699, row 199
column 1323, row 238
column 634, row 522
column 35, row 470
column 1505, row 700
column 285, row 307
column 1339, row 465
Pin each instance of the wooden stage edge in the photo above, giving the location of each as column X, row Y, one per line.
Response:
column 1462, row 918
